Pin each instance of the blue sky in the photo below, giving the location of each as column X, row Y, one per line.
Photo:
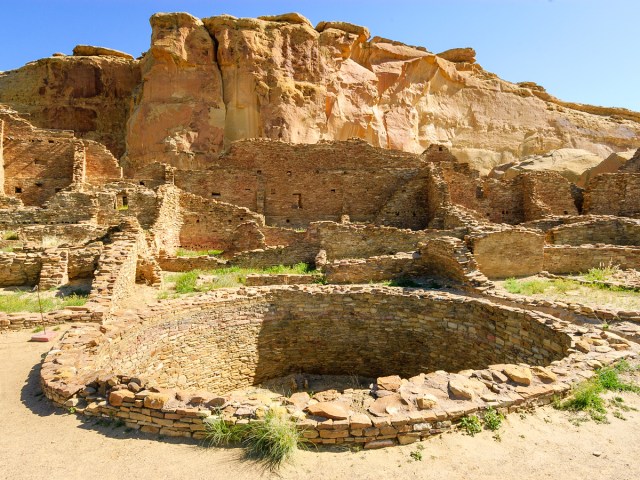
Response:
column 585, row 51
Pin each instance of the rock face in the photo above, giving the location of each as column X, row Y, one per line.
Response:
column 91, row 51
column 569, row 162
column 205, row 83
column 611, row 164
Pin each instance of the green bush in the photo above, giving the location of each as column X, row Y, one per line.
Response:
column 28, row 302
column 10, row 235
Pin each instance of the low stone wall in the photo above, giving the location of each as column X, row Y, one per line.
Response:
column 372, row 269
column 261, row 280
column 562, row 259
column 271, row 256
column 129, row 369
column 608, row 230
column 22, row 320
column 186, row 264
column 19, row 268
column 512, row 252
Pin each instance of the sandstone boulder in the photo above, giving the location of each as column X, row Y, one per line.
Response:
column 611, row 164
column 571, row 163
column 156, row 400
column 91, row 51
column 518, row 374
column 118, row 397
column 391, row 383
column 459, row 55
column 544, row 374
column 293, row 18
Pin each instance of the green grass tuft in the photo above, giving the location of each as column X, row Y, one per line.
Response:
column 28, row 302
column 10, row 235
column 272, row 440
column 525, row 287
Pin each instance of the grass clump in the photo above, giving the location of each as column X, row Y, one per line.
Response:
column 227, row 277
column 525, row 287
column 10, row 235
column 28, row 302
column 587, row 396
column 471, row 424
column 602, row 273
column 273, row 440
column 183, row 252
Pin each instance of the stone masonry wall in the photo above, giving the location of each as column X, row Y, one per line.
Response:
column 509, row 252
column 613, row 194
column 608, row 230
column 563, row 259
column 292, row 185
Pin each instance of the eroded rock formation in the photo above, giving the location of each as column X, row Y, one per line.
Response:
column 205, row 83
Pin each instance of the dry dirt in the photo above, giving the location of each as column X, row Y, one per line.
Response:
column 38, row 442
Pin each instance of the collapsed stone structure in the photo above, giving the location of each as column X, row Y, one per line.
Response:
column 279, row 143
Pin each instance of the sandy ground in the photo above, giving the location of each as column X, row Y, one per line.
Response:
column 40, row 442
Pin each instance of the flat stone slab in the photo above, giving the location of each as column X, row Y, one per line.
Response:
column 43, row 336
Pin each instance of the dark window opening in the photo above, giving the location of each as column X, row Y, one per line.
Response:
column 216, row 194
column 566, row 213
column 242, row 219
column 273, row 191
column 18, row 190
column 297, row 200
column 259, row 172
column 333, row 190
column 440, row 148
column 58, row 189
column 413, row 214
column 39, row 184
column 397, row 214
column 141, row 183
column 197, row 220
column 52, row 141
column 247, row 189
column 479, row 192
column 287, row 220
column 125, row 201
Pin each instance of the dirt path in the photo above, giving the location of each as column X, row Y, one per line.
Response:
column 40, row 442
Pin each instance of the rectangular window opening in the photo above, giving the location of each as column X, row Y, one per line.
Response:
column 297, row 200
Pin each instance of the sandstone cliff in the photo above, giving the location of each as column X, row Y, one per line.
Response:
column 205, row 83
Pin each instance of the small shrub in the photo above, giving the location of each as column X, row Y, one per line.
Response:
column 10, row 235
column 563, row 286
column 273, row 439
column 602, row 273
column 37, row 330
column 6, row 249
column 471, row 424
column 492, row 419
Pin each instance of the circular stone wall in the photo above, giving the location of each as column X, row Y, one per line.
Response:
column 241, row 342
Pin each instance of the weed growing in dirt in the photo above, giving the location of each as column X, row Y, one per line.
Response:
column 471, row 424
column 492, row 419
column 587, row 396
